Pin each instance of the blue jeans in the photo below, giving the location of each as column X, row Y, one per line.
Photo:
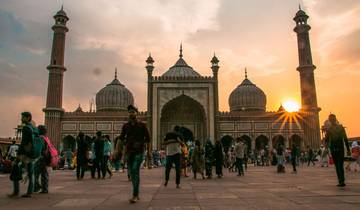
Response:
column 134, row 163
column 31, row 179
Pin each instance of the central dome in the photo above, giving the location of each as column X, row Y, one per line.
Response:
column 247, row 97
column 181, row 69
column 114, row 97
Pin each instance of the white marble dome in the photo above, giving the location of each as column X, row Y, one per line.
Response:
column 247, row 97
column 114, row 97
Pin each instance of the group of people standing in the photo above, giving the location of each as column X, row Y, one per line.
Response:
column 32, row 156
column 202, row 159
column 94, row 155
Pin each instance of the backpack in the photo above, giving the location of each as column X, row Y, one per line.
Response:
column 52, row 154
column 34, row 148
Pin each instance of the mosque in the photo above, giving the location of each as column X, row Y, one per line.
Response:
column 181, row 96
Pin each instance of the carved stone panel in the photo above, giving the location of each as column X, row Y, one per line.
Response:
column 86, row 126
column 244, row 126
column 227, row 126
column 69, row 126
column 261, row 126
column 118, row 127
column 103, row 126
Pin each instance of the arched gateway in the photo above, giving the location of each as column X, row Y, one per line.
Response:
column 184, row 111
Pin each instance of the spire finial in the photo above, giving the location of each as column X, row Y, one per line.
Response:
column 299, row 6
column 62, row 7
column 115, row 72
column 181, row 53
column 245, row 73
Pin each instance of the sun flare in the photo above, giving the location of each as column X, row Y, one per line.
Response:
column 291, row 106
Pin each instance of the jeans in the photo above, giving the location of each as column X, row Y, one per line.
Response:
column 293, row 163
column 41, row 171
column 338, row 158
column 169, row 162
column 81, row 167
column 134, row 163
column 30, row 170
column 239, row 165
column 218, row 166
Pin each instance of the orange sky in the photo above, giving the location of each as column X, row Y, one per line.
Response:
column 106, row 34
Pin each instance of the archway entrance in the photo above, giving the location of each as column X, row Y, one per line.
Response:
column 184, row 112
column 277, row 140
column 227, row 141
column 296, row 139
column 69, row 143
column 261, row 142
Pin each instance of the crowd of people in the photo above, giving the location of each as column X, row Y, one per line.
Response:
column 101, row 156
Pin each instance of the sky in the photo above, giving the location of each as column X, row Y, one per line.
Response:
column 104, row 34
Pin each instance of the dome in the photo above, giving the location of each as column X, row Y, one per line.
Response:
column 181, row 69
column 247, row 97
column 114, row 97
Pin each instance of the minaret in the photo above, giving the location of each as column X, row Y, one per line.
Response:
column 309, row 106
column 215, row 69
column 149, row 68
column 54, row 110
column 306, row 66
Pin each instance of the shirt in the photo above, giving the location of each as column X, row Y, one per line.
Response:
column 135, row 135
column 13, row 150
column 173, row 148
column 239, row 150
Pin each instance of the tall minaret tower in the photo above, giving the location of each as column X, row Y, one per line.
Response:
column 306, row 69
column 53, row 109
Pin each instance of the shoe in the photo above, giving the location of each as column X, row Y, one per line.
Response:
column 13, row 195
column 26, row 195
column 341, row 185
column 165, row 184
column 132, row 200
column 178, row 187
column 44, row 192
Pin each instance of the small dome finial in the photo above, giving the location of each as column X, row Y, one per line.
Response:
column 245, row 73
column 115, row 72
column 149, row 60
column 181, row 51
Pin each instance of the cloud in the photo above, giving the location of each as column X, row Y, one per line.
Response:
column 335, row 35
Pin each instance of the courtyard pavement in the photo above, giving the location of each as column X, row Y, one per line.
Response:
column 260, row 188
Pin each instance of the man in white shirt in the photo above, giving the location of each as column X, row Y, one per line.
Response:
column 13, row 151
column 173, row 144
column 240, row 153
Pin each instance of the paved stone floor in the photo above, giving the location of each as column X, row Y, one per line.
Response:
column 261, row 188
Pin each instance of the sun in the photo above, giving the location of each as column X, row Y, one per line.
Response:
column 291, row 106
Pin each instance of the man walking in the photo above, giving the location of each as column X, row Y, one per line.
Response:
column 173, row 151
column 99, row 154
column 239, row 152
column 81, row 157
column 335, row 138
column 135, row 135
column 310, row 156
column 294, row 153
